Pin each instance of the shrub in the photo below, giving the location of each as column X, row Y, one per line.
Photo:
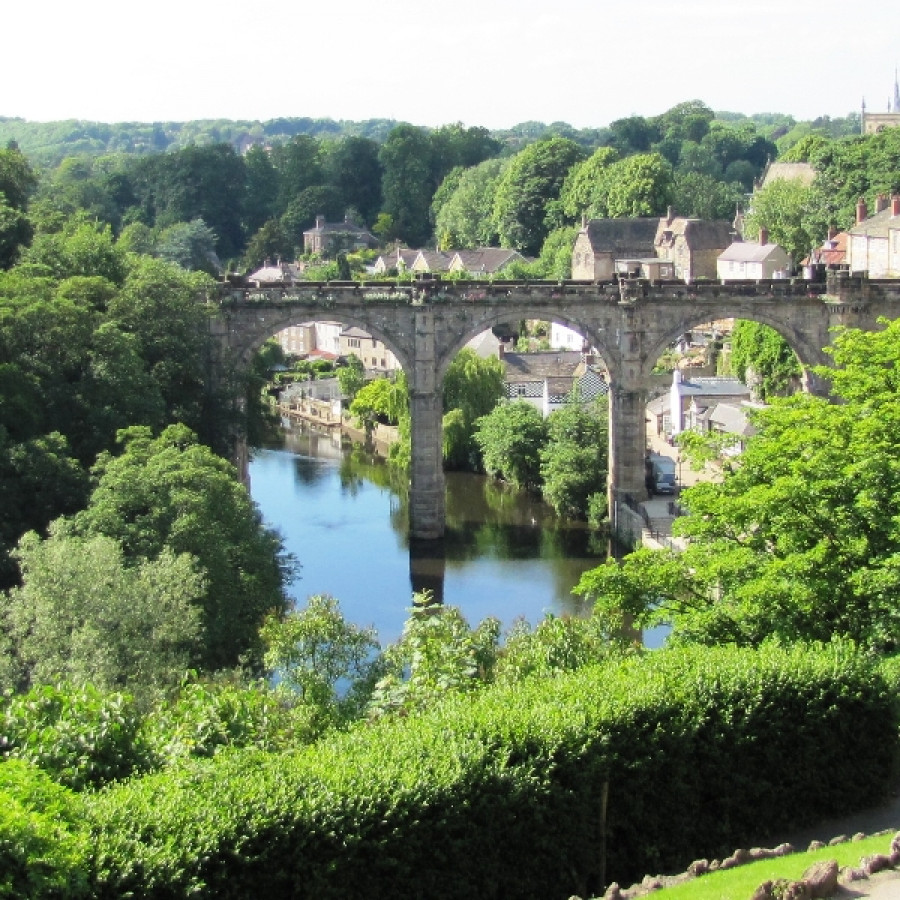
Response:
column 498, row 793
column 81, row 737
column 42, row 851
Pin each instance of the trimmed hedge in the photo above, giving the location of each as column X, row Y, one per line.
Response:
column 498, row 795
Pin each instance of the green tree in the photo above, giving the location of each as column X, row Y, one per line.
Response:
column 574, row 460
column 582, row 192
column 783, row 207
column 191, row 245
column 82, row 615
column 352, row 166
column 511, row 437
column 437, row 653
column 328, row 663
column 351, row 377
column 798, row 542
column 260, row 189
column 473, row 385
column 762, row 358
column 464, row 217
column 160, row 304
column 407, row 187
column 639, row 185
column 532, row 180
column 15, row 233
column 172, row 494
column 17, row 178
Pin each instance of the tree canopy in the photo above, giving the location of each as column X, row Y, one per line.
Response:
column 799, row 540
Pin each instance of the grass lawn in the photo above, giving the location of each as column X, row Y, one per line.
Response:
column 740, row 883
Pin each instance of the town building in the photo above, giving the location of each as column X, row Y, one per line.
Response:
column 671, row 413
column 692, row 246
column 602, row 241
column 547, row 379
column 873, row 246
column 369, row 350
column 329, row 238
column 745, row 260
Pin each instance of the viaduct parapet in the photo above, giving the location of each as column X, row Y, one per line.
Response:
column 630, row 322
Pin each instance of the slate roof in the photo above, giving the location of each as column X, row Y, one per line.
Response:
column 538, row 366
column 623, row 237
column 749, row 252
column 699, row 234
column 486, row 260
column 878, row 225
column 786, row 171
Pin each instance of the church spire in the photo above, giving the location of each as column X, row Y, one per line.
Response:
column 896, row 107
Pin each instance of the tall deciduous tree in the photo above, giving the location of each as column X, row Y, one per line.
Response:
column 511, row 437
column 473, row 386
column 407, row 185
column 464, row 218
column 528, row 185
column 171, row 493
column 83, row 615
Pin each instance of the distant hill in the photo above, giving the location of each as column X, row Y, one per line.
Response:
column 47, row 143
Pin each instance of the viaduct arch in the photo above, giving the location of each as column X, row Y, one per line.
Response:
column 630, row 322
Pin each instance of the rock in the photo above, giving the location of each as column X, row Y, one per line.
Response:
column 698, row 867
column 760, row 853
column 815, row 845
column 859, row 836
column 895, row 842
column 613, row 892
column 784, row 850
column 849, row 874
column 840, row 839
column 764, row 892
column 875, row 863
column 822, row 878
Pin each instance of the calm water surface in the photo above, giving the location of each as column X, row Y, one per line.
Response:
column 343, row 515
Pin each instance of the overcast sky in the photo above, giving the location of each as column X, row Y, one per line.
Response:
column 480, row 62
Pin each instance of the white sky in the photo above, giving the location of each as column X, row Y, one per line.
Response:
column 480, row 62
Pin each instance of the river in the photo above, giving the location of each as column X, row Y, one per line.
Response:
column 342, row 514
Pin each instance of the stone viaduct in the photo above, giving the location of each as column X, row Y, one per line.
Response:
column 631, row 323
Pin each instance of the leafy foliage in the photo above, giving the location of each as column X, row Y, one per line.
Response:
column 171, row 493
column 79, row 736
column 511, row 437
column 799, row 539
column 327, row 662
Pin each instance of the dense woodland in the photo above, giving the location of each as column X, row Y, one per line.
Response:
column 146, row 749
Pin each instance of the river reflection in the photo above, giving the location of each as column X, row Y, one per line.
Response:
column 343, row 514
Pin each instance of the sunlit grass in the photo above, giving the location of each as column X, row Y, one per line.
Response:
column 740, row 883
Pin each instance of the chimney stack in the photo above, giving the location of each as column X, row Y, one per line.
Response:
column 670, row 214
column 320, row 222
column 895, row 205
column 763, row 236
column 862, row 211
column 881, row 203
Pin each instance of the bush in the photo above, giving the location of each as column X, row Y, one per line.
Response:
column 42, row 851
column 498, row 794
column 81, row 737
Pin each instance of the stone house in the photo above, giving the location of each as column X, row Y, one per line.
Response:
column 329, row 238
column 746, row 260
column 873, row 245
column 670, row 413
column 405, row 260
column 692, row 245
column 545, row 380
column 372, row 352
column 602, row 241
column 484, row 261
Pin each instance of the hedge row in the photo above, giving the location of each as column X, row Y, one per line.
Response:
column 500, row 795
